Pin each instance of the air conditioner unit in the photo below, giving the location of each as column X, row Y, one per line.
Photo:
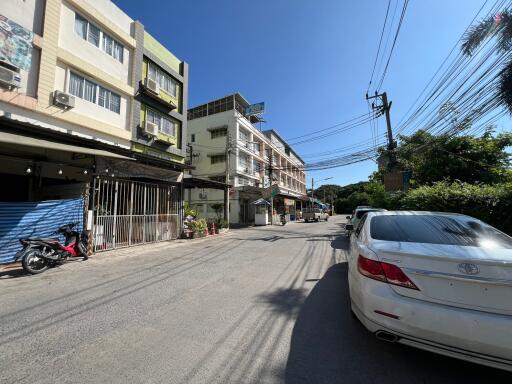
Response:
column 63, row 99
column 10, row 78
column 152, row 85
column 150, row 128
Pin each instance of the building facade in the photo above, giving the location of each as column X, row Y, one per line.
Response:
column 92, row 105
column 224, row 140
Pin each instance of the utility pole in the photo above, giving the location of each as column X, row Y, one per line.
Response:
column 226, row 189
column 385, row 107
column 191, row 156
column 312, row 192
column 271, row 176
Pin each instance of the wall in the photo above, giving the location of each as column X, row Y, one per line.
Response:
column 27, row 13
column 88, row 52
column 89, row 109
column 152, row 45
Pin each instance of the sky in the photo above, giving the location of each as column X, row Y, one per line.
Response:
column 309, row 61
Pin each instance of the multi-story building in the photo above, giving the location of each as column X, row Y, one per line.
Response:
column 224, row 140
column 92, row 105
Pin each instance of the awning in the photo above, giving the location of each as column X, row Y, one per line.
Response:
column 9, row 138
column 129, row 169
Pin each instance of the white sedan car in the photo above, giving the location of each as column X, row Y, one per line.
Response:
column 437, row 281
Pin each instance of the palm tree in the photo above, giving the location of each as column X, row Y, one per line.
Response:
column 499, row 26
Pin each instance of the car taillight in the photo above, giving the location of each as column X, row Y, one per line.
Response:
column 385, row 272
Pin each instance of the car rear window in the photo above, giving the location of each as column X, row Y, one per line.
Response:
column 438, row 229
column 360, row 213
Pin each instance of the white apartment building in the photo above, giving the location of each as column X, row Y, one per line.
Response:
column 222, row 124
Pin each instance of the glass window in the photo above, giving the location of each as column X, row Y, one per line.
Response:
column 76, row 85
column 94, row 35
column 152, row 72
column 80, row 26
column 214, row 159
column 438, row 229
column 164, row 80
column 90, row 91
column 103, row 97
column 107, row 43
column 193, row 138
column 118, row 51
column 115, row 102
column 219, row 133
column 167, row 127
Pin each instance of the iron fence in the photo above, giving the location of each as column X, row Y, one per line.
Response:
column 129, row 213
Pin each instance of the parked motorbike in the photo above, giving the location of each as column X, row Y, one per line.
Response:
column 39, row 254
column 283, row 219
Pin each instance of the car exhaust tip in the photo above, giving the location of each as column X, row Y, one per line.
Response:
column 386, row 336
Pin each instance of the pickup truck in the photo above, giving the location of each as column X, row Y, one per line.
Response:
column 314, row 214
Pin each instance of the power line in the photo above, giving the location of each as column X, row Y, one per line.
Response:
column 378, row 49
column 404, row 9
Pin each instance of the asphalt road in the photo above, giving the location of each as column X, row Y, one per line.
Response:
column 261, row 305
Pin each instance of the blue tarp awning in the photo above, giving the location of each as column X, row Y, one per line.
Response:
column 35, row 219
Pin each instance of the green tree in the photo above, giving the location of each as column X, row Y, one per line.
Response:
column 499, row 27
column 465, row 158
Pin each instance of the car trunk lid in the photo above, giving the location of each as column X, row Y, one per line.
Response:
column 469, row 277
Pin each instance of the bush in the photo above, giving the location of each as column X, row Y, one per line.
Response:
column 489, row 203
column 198, row 225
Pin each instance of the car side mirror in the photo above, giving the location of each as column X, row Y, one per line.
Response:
column 349, row 227
column 348, row 217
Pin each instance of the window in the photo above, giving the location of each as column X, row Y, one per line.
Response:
column 94, row 35
column 361, row 224
column 243, row 136
column 87, row 90
column 76, row 85
column 244, row 181
column 104, row 98
column 193, row 138
column 243, row 161
column 221, row 132
column 164, row 80
column 118, row 51
column 108, row 44
column 438, row 229
column 165, row 125
column 81, row 26
column 220, row 158
column 90, row 91
column 115, row 102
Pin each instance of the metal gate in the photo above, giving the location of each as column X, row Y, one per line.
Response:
column 129, row 213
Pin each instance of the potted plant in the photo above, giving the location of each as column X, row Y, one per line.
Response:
column 199, row 227
column 223, row 224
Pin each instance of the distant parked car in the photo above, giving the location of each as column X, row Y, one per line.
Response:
column 314, row 214
column 440, row 282
column 359, row 212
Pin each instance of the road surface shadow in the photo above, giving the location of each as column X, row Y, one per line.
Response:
column 330, row 346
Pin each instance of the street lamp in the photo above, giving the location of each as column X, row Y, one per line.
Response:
column 313, row 187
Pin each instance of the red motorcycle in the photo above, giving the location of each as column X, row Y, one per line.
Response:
column 39, row 254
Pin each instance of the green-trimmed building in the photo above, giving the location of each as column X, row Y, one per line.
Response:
column 159, row 112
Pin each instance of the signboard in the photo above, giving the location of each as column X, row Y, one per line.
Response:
column 393, row 181
column 275, row 191
column 255, row 109
column 15, row 44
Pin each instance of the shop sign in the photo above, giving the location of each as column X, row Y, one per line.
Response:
column 15, row 44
